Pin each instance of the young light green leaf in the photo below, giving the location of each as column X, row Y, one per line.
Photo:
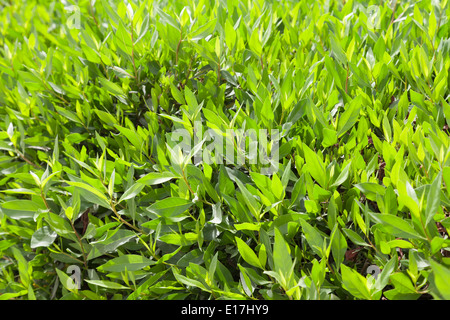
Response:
column 315, row 166
column 433, row 199
column 338, row 246
column 354, row 283
column 247, row 253
column 281, row 256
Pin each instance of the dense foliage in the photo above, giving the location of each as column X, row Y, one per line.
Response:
column 91, row 93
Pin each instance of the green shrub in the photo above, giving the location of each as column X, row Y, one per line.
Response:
column 95, row 186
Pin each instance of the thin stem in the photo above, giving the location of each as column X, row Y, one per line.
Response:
column 122, row 220
column 92, row 13
column 132, row 54
column 424, row 228
column 45, row 200
column 53, row 93
column 135, row 70
column 21, row 155
column 329, row 266
column 393, row 13
column 81, row 244
column 178, row 47
column 149, row 249
column 74, row 230
column 187, row 183
column 72, row 257
column 218, row 72
column 189, row 70
column 435, row 34
column 105, row 70
column 346, row 81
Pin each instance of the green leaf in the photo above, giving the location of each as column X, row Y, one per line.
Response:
column 217, row 214
column 394, row 294
column 251, row 202
column 315, row 166
column 153, row 178
column 10, row 296
column 230, row 35
column 379, row 49
column 400, row 244
column 21, row 209
column 331, row 68
column 390, row 201
column 255, row 43
column 342, row 176
column 433, row 199
column 91, row 194
column 246, row 283
column 60, row 225
column 129, row 262
column 402, row 283
column 203, row 31
column 67, row 282
column 110, row 242
column 189, row 282
column 338, row 246
column 349, row 117
column 107, row 284
column 170, row 207
column 337, row 50
column 111, row 87
column 281, row 256
column 248, row 254
column 23, row 266
column 43, row 237
column 114, row 17
column 383, row 277
column 132, row 136
column 132, row 191
column 262, row 255
column 396, row 226
column 329, row 137
column 313, row 237
column 441, row 280
column 354, row 237
column 191, row 100
column 247, row 226
column 167, row 19
column 106, row 117
column 371, row 190
column 185, row 239
column 354, row 283
column 178, row 96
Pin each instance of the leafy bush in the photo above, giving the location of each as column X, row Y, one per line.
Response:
column 95, row 94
